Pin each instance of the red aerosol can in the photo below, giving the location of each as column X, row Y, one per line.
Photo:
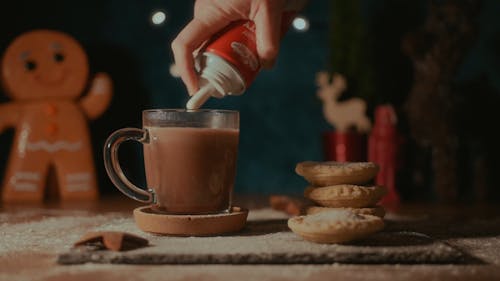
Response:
column 229, row 63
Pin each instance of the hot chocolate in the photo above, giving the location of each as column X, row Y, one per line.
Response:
column 190, row 160
column 191, row 170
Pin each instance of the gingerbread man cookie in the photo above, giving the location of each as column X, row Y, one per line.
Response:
column 45, row 72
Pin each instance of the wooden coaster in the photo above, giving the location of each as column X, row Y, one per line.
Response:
column 190, row 225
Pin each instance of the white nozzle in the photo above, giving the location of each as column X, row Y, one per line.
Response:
column 218, row 78
column 198, row 99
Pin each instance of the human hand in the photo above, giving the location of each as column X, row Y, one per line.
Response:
column 210, row 16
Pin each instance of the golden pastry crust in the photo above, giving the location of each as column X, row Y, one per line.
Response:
column 374, row 211
column 331, row 173
column 345, row 195
column 324, row 230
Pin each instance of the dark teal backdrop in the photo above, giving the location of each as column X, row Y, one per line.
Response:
column 280, row 116
column 281, row 120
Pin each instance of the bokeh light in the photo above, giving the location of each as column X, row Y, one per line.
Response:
column 300, row 24
column 158, row 17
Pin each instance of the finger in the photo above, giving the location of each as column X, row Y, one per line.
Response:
column 267, row 28
column 189, row 40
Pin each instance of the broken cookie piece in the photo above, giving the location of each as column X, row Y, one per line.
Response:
column 290, row 205
column 112, row 240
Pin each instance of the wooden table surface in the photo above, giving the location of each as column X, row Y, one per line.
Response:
column 474, row 229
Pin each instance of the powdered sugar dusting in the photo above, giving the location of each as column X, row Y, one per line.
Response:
column 28, row 250
column 48, row 235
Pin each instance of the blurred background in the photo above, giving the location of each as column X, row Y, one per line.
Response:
column 383, row 47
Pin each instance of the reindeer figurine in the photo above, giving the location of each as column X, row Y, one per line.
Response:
column 341, row 115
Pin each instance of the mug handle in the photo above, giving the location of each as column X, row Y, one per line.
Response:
column 114, row 170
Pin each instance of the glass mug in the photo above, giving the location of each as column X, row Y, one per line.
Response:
column 189, row 158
